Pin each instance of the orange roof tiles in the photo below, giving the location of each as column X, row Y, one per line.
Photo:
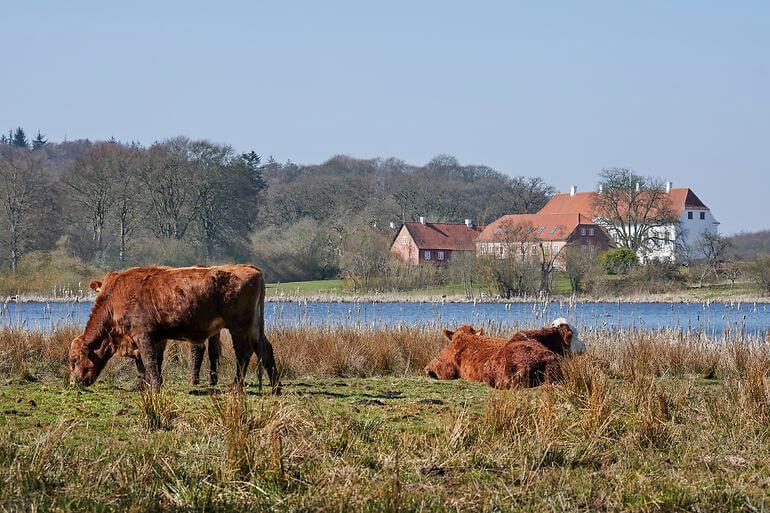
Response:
column 553, row 227
column 582, row 202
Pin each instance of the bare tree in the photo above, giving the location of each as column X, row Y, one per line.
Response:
column 635, row 211
column 171, row 193
column 90, row 189
column 25, row 199
column 713, row 248
column 127, row 211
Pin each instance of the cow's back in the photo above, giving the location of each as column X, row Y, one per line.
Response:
column 188, row 302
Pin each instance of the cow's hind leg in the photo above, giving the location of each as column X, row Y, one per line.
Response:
column 196, row 352
column 264, row 350
column 243, row 351
column 214, row 348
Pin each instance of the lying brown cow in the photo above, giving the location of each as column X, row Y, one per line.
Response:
column 527, row 359
column 139, row 309
column 465, row 356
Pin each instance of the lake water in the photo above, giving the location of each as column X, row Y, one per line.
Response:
column 711, row 318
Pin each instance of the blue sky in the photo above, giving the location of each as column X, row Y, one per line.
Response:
column 677, row 90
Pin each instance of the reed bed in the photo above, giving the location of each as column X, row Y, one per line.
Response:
column 665, row 420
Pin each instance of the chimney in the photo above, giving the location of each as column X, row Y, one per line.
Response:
column 573, row 190
column 422, row 220
column 469, row 223
column 668, row 186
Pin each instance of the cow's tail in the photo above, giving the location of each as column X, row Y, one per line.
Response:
column 262, row 346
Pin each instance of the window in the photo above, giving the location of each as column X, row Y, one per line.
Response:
column 583, row 232
column 553, row 230
column 439, row 255
column 403, row 240
column 689, row 215
column 426, row 255
column 591, row 232
column 540, row 231
column 500, row 250
column 702, row 216
column 483, row 248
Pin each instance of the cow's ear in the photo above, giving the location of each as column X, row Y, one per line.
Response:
column 480, row 331
column 448, row 334
column 96, row 286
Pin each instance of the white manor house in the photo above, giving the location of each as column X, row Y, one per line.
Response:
column 695, row 218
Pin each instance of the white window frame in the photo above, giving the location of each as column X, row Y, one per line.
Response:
column 439, row 255
column 582, row 231
column 403, row 240
column 426, row 254
column 591, row 232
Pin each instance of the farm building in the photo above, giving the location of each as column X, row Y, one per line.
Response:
column 694, row 218
column 520, row 235
column 421, row 242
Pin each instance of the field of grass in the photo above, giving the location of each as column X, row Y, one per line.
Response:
column 332, row 286
column 645, row 421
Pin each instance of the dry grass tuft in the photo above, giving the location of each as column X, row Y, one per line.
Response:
column 157, row 409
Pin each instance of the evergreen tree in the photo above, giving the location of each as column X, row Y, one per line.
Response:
column 20, row 138
column 252, row 161
column 39, row 141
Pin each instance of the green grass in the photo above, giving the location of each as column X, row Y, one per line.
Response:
column 331, row 286
column 376, row 444
column 645, row 421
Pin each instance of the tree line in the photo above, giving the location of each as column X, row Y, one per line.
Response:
column 180, row 201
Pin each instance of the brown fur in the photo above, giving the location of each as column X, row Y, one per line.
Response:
column 529, row 358
column 464, row 357
column 139, row 309
column 522, row 362
column 556, row 339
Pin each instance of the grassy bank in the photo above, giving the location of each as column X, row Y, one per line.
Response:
column 643, row 422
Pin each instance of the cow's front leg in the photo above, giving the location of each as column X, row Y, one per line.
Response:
column 152, row 358
column 214, row 349
column 141, row 374
column 196, row 351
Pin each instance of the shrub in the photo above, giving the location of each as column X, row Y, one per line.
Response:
column 758, row 272
column 618, row 260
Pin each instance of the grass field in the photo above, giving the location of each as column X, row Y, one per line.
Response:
column 645, row 421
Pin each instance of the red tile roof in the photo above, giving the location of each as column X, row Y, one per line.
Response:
column 449, row 236
column 552, row 227
column 582, row 202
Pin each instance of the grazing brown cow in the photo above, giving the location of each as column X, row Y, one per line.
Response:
column 139, row 309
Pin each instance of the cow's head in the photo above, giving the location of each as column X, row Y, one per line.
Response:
column 465, row 329
column 86, row 361
column 442, row 368
column 570, row 336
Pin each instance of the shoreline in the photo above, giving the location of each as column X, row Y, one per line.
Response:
column 670, row 298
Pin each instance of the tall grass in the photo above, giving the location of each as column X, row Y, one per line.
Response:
column 645, row 421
